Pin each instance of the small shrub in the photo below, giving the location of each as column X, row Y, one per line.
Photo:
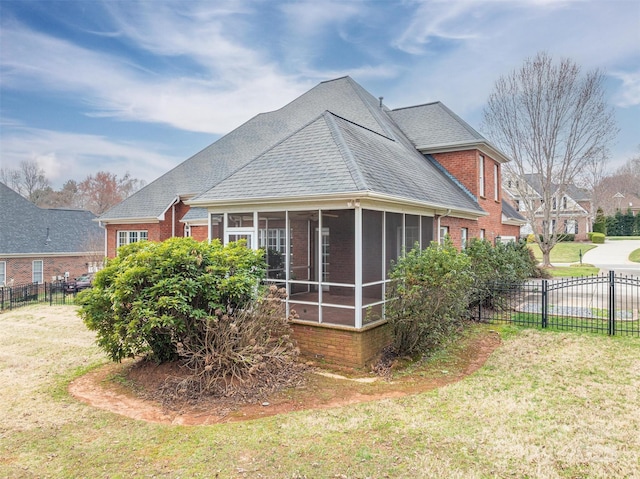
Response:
column 597, row 238
column 566, row 237
column 250, row 351
column 508, row 263
column 428, row 298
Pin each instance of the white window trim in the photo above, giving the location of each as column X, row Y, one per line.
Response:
column 138, row 233
column 3, row 273
column 481, row 175
column 33, row 271
column 496, row 183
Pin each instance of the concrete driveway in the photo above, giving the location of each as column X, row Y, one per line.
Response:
column 613, row 255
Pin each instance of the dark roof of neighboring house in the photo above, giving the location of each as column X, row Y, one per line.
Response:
column 571, row 190
column 25, row 228
column 283, row 144
column 511, row 213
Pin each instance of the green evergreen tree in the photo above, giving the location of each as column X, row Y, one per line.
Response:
column 600, row 223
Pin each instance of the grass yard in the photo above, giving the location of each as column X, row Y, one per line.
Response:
column 635, row 256
column 564, row 252
column 575, row 270
column 545, row 405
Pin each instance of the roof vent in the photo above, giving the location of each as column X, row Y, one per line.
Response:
column 380, row 98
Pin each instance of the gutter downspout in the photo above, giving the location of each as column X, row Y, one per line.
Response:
column 439, row 217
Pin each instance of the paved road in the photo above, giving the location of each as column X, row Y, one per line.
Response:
column 613, row 255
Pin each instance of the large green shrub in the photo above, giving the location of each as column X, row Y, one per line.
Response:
column 153, row 296
column 428, row 297
column 597, row 238
column 508, row 263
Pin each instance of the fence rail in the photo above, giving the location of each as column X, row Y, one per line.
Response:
column 608, row 304
column 12, row 297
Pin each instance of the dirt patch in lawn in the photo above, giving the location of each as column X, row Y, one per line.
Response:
column 130, row 388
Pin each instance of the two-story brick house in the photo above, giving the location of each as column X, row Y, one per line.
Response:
column 570, row 206
column 334, row 186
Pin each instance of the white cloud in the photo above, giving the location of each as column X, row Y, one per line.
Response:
column 231, row 90
column 629, row 93
column 65, row 156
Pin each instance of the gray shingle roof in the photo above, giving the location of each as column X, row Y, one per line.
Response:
column 577, row 194
column 292, row 151
column 24, row 228
column 511, row 213
column 331, row 155
column 433, row 125
column 234, row 150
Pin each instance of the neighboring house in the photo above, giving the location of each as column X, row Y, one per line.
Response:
column 624, row 203
column 570, row 209
column 334, row 186
column 38, row 245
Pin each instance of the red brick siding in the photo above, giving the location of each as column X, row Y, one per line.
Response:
column 464, row 166
column 199, row 233
column 346, row 348
column 21, row 269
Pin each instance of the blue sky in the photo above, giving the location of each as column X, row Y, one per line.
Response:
column 138, row 87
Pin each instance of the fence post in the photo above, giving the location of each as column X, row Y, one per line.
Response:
column 544, row 304
column 612, row 303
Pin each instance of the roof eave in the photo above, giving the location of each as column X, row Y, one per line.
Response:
column 483, row 146
column 127, row 221
column 347, row 197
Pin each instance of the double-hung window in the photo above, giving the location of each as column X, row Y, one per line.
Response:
column 37, row 274
column 464, row 237
column 3, row 273
column 127, row 237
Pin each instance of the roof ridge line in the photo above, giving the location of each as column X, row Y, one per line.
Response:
column 359, row 125
column 345, row 151
column 262, row 153
column 375, row 112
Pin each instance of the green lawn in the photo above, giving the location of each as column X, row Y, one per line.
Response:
column 621, row 238
column 565, row 252
column 635, row 256
column 544, row 405
column 575, row 270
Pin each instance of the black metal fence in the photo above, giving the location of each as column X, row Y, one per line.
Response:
column 608, row 304
column 12, row 297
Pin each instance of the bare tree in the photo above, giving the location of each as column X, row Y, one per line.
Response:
column 11, row 178
column 33, row 179
column 552, row 120
column 29, row 179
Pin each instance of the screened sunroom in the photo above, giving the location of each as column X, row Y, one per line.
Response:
column 333, row 262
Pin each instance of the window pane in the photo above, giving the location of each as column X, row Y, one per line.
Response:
column 37, row 271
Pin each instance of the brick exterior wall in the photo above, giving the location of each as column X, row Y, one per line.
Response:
column 199, row 233
column 20, row 270
column 160, row 231
column 464, row 165
column 341, row 347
